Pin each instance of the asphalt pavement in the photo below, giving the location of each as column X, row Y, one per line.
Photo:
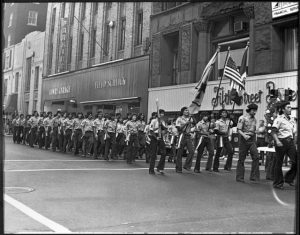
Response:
column 49, row 191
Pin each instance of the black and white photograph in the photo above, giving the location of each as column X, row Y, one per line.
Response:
column 150, row 117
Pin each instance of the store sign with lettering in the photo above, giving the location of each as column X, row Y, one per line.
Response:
column 224, row 97
column 60, row 90
column 110, row 83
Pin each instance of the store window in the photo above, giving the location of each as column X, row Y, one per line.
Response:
column 290, row 50
column 134, row 108
column 32, row 18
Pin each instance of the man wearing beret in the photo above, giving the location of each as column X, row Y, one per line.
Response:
column 246, row 128
column 283, row 132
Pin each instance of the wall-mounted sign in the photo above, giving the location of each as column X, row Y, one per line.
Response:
column 110, row 83
column 60, row 90
column 284, row 8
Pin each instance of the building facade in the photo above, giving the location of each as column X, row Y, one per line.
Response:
column 22, row 18
column 23, row 75
column 184, row 36
column 93, row 53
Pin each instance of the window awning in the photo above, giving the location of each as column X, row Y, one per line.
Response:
column 11, row 104
column 110, row 100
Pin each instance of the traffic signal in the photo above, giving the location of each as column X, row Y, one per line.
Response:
column 289, row 95
column 273, row 93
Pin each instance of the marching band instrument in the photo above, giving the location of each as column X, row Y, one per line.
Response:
column 200, row 141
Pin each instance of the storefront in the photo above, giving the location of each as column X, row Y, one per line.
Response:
column 115, row 87
column 173, row 98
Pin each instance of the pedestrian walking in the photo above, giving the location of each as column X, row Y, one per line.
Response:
column 158, row 129
column 141, row 135
column 184, row 124
column 246, row 128
column 283, row 132
column 222, row 129
column 204, row 130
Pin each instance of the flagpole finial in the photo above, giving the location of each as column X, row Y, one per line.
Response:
column 228, row 48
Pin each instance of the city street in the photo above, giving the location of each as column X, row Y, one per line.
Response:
column 75, row 194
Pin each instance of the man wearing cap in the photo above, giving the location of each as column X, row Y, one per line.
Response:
column 48, row 128
column 222, row 129
column 204, row 129
column 283, row 132
column 247, row 128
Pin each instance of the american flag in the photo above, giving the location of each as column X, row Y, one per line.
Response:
column 233, row 74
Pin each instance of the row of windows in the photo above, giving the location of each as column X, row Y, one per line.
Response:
column 92, row 32
column 31, row 19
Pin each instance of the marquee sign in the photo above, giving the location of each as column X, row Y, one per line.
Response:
column 284, row 8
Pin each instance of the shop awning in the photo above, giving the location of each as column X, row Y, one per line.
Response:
column 11, row 104
column 110, row 100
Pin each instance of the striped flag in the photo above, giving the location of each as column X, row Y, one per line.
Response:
column 201, row 86
column 231, row 72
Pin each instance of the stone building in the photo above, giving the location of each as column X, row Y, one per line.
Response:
column 184, row 36
column 97, row 57
column 22, row 75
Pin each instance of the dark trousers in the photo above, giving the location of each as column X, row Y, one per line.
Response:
column 270, row 165
column 133, row 145
column 41, row 137
column 157, row 144
column 61, row 140
column 185, row 141
column 26, row 135
column 77, row 140
column 33, row 134
column 54, row 138
column 227, row 145
column 206, row 142
column 244, row 147
column 99, row 143
column 20, row 134
column 88, row 140
column 15, row 133
column 142, row 143
column 288, row 148
column 48, row 137
column 109, row 142
column 67, row 140
column 120, row 143
column 173, row 149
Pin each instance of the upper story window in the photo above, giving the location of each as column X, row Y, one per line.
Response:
column 17, row 81
column 290, row 50
column 83, row 8
column 95, row 8
column 139, row 28
column 72, row 12
column 8, row 59
column 63, row 10
column 36, row 77
column 10, row 19
column 80, row 53
column 106, row 38
column 167, row 5
column 122, row 33
column 108, row 5
column 8, row 40
column 32, row 18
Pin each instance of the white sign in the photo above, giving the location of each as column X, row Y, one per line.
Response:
column 284, row 8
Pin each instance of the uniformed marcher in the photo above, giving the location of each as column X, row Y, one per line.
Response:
column 20, row 134
column 132, row 138
column 99, row 143
column 222, row 129
column 284, row 130
column 15, row 127
column 173, row 132
column 204, row 130
column 61, row 132
column 120, row 137
column 41, row 130
column 33, row 122
column 48, row 128
column 158, row 129
column 68, row 126
column 26, row 130
column 78, row 132
column 88, row 134
column 247, row 128
column 184, row 124
column 110, row 126
column 55, row 129
column 141, row 135
column 114, row 149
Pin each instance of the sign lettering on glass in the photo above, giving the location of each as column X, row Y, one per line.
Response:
column 60, row 90
column 110, row 83
column 284, row 8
